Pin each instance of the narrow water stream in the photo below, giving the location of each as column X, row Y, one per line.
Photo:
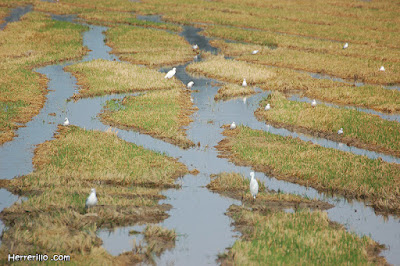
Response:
column 197, row 214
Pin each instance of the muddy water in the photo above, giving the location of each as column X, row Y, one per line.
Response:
column 197, row 214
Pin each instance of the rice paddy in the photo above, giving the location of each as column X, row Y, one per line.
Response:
column 311, row 165
column 298, row 50
column 136, row 45
column 229, row 91
column 361, row 130
column 161, row 114
column 65, row 170
column 102, row 77
column 302, row 237
column 22, row 90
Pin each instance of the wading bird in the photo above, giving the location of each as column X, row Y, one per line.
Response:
column 244, row 83
column 195, row 47
column 254, row 52
column 314, row 103
column 382, row 68
column 190, row 84
column 170, row 73
column 66, row 122
column 233, row 125
column 267, row 107
column 345, row 45
column 253, row 186
column 340, row 131
column 92, row 199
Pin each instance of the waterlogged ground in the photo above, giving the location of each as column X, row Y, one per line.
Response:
column 197, row 214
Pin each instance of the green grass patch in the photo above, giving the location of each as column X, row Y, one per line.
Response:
column 360, row 129
column 312, row 165
column 136, row 45
column 34, row 41
column 100, row 77
column 161, row 114
column 229, row 91
column 302, row 237
column 128, row 180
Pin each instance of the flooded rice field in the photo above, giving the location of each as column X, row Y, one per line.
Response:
column 198, row 215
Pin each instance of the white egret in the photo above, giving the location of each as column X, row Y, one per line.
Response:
column 267, row 107
column 314, row 103
column 170, row 73
column 195, row 47
column 340, row 131
column 254, row 52
column 253, row 186
column 382, row 68
column 233, row 125
column 190, row 84
column 66, row 122
column 92, row 199
column 345, row 45
column 244, row 83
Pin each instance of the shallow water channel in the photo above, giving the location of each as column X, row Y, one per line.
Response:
column 197, row 214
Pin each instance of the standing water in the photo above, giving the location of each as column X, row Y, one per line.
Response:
column 198, row 214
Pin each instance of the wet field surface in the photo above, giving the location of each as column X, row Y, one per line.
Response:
column 197, row 214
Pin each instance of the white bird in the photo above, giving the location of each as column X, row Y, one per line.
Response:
column 233, row 125
column 340, row 131
column 66, row 122
column 314, row 103
column 253, row 186
column 195, row 47
column 191, row 99
column 92, row 199
column 345, row 45
column 190, row 84
column 382, row 68
column 254, row 52
column 267, row 107
column 244, row 100
column 170, row 73
column 244, row 83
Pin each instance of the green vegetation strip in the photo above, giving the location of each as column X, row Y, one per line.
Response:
column 128, row 180
column 237, row 186
column 229, row 91
column 136, row 45
column 268, row 78
column 360, row 129
column 101, row 77
column 161, row 114
column 34, row 41
column 312, row 165
column 301, row 238
column 366, row 70
column 261, row 40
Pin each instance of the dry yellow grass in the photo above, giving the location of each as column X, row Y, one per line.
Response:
column 237, row 186
column 347, row 67
column 229, row 91
column 268, row 78
column 100, row 77
column 375, row 25
column 312, row 165
column 360, row 129
column 161, row 114
column 128, row 180
column 258, row 40
column 231, row 70
column 23, row 46
column 136, row 45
